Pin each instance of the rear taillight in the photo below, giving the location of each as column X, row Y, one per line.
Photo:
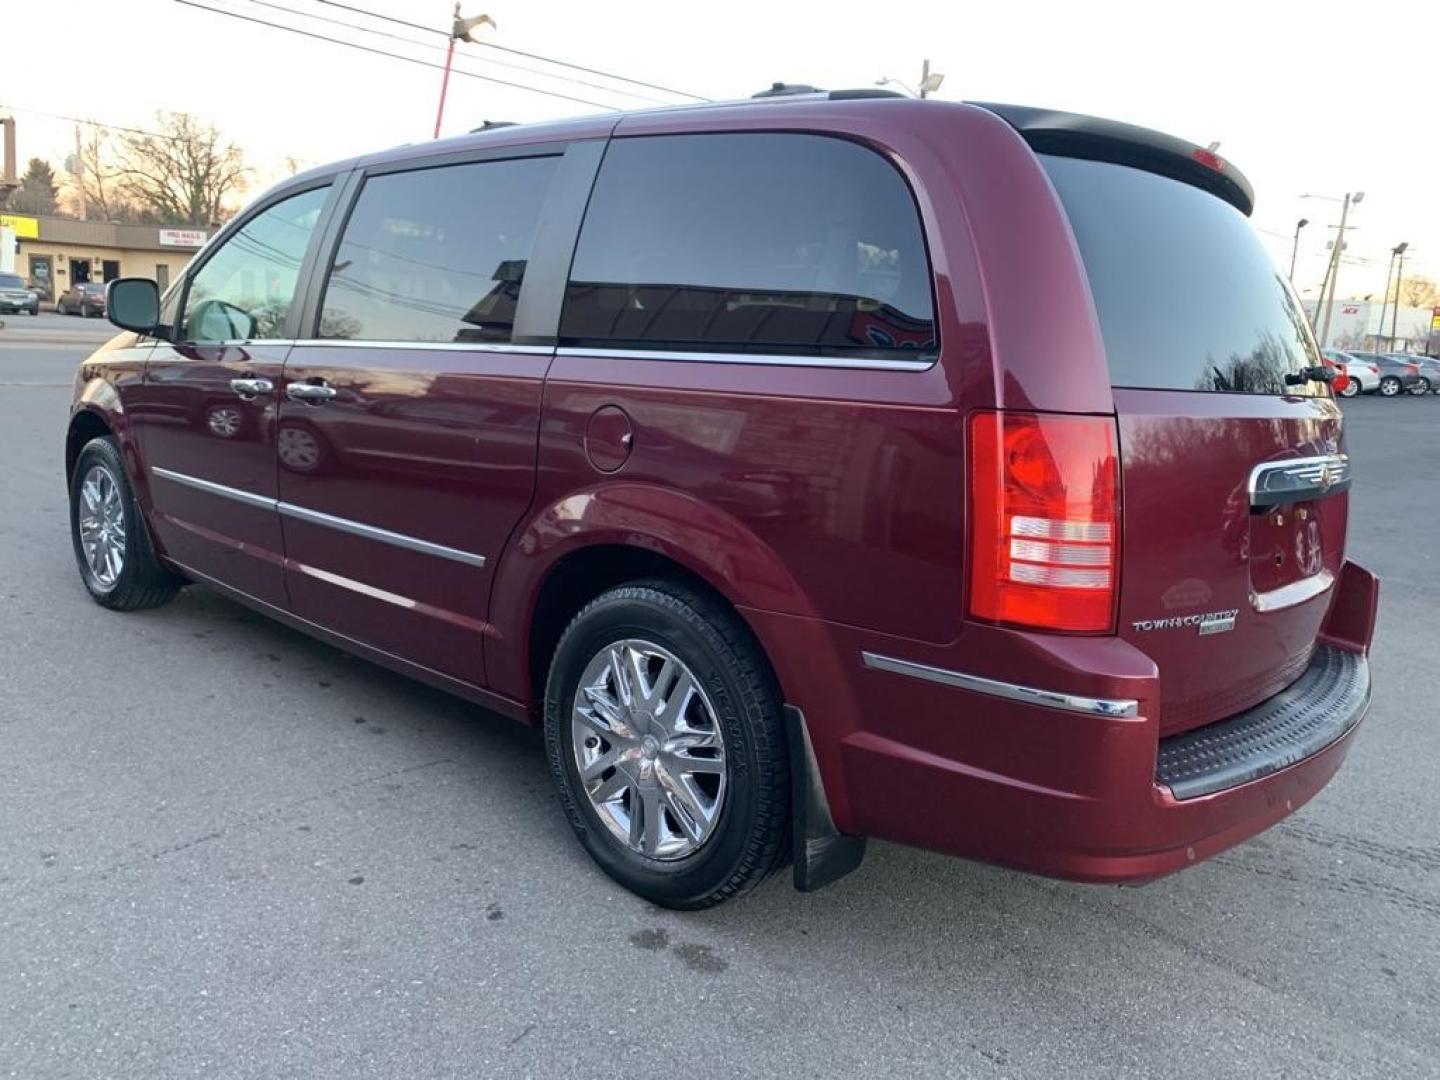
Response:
column 1045, row 520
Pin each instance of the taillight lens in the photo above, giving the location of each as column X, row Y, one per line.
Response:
column 1045, row 520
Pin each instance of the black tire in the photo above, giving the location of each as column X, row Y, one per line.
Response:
column 1390, row 386
column 750, row 838
column 141, row 581
column 1352, row 388
column 34, row 310
column 1421, row 388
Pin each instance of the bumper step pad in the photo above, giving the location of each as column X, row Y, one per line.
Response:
column 1325, row 702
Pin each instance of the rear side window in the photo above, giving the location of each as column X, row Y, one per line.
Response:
column 436, row 254
column 1188, row 298
column 762, row 242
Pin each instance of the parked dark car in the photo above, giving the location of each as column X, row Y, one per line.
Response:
column 1429, row 368
column 16, row 296
column 85, row 299
column 1397, row 374
column 814, row 468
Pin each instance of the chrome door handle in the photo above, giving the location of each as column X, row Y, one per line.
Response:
column 250, row 388
column 310, row 393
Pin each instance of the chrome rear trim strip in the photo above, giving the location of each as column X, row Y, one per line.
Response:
column 1297, row 592
column 316, row 517
column 764, row 359
column 1029, row 695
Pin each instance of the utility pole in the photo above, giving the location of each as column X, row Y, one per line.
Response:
column 1334, row 272
column 1399, row 277
column 1295, row 246
column 460, row 30
column 79, row 175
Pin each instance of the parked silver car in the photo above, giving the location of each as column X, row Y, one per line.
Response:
column 1364, row 375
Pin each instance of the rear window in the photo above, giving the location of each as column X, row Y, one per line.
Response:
column 1187, row 296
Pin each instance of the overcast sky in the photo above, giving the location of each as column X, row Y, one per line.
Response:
column 1320, row 97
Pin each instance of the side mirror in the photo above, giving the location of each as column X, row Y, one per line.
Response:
column 133, row 303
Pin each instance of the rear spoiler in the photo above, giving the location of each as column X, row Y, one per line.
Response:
column 1072, row 135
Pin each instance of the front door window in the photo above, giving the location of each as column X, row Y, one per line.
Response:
column 244, row 291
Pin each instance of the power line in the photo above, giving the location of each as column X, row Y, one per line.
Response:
column 393, row 56
column 91, row 123
column 439, row 49
column 515, row 52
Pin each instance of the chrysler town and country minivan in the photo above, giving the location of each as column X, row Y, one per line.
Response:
column 812, row 468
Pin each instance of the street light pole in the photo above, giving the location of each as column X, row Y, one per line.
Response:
column 1385, row 296
column 1399, row 278
column 1295, row 246
column 1334, row 273
column 459, row 31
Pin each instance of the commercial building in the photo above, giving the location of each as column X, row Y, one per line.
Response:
column 54, row 253
column 1355, row 324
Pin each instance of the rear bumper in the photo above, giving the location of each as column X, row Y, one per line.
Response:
column 1059, row 791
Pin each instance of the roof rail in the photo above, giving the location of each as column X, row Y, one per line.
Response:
column 490, row 125
column 780, row 89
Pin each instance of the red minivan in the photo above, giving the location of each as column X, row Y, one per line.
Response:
column 812, row 468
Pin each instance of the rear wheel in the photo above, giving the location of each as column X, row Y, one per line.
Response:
column 112, row 548
column 1352, row 388
column 1421, row 388
column 1390, row 386
column 664, row 735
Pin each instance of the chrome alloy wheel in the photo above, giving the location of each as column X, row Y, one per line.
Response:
column 101, row 518
column 649, row 749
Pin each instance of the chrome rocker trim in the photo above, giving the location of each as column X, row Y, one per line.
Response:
column 1029, row 695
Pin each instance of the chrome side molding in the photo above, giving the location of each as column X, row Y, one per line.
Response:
column 763, row 359
column 1029, row 695
column 316, row 517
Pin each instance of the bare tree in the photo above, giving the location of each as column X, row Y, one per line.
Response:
column 184, row 174
column 95, row 175
column 1419, row 291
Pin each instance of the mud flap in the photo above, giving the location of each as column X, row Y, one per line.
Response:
column 821, row 853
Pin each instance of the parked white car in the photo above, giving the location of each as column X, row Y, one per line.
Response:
column 1364, row 376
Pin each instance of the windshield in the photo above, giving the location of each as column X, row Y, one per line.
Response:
column 1187, row 297
column 11, row 281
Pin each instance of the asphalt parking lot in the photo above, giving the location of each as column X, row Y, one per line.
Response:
column 229, row 851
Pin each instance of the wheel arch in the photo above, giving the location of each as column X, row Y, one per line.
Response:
column 85, row 424
column 575, row 548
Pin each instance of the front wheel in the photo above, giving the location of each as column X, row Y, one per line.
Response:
column 112, row 549
column 1390, row 386
column 664, row 736
column 1421, row 388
